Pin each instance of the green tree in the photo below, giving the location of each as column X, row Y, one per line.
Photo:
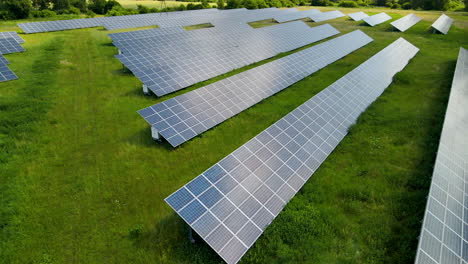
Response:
column 221, row 4
column 16, row 8
column 61, row 4
column 250, row 4
column 441, row 4
column 466, row 5
column 41, row 4
column 231, row 4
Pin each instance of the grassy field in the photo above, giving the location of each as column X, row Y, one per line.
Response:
column 81, row 181
column 157, row 4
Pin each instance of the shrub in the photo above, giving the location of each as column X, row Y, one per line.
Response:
column 232, row 4
column 406, row 5
column 321, row 3
column 43, row 13
column 220, row 4
column 142, row 9
column 396, row 6
column 15, row 8
column 90, row 13
column 250, row 4
column 73, row 10
column 347, row 4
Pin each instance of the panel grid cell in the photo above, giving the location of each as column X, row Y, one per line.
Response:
column 183, row 117
column 444, row 233
column 341, row 103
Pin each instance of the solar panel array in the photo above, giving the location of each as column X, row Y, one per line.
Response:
column 358, row 16
column 377, row 19
column 295, row 15
column 10, row 45
column 11, row 34
column 168, row 64
column 320, row 17
column 3, row 60
column 163, row 20
column 181, row 118
column 231, row 203
column 6, row 74
column 443, row 24
column 406, row 22
column 48, row 26
column 444, row 234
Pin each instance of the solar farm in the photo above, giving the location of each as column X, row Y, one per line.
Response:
column 292, row 135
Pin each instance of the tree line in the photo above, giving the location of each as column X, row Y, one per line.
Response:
column 18, row 9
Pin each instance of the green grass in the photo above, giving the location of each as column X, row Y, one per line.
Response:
column 81, row 181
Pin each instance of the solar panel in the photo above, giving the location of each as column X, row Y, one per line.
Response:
column 406, row 22
column 444, row 233
column 11, row 34
column 232, row 203
column 6, row 74
column 377, row 19
column 296, row 15
column 319, row 17
column 181, row 118
column 358, row 16
column 3, row 60
column 166, row 70
column 443, row 24
column 10, row 45
column 146, row 33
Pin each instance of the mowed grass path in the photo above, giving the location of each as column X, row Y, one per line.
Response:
column 82, row 181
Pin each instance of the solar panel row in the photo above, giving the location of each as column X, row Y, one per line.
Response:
column 443, row 24
column 377, row 19
column 406, row 22
column 46, row 26
column 444, row 234
column 181, row 118
column 358, row 16
column 232, row 203
column 6, row 74
column 173, row 67
column 3, row 60
column 10, row 45
column 172, row 19
column 11, row 34
column 320, row 17
column 295, row 15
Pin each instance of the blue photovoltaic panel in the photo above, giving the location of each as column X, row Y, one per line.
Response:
column 10, row 45
column 319, row 17
column 154, row 32
column 295, row 15
column 163, row 20
column 358, row 16
column 443, row 24
column 11, row 34
column 6, row 74
column 232, row 203
column 3, row 60
column 168, row 68
column 183, row 117
column 444, row 233
column 406, row 22
column 377, row 19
